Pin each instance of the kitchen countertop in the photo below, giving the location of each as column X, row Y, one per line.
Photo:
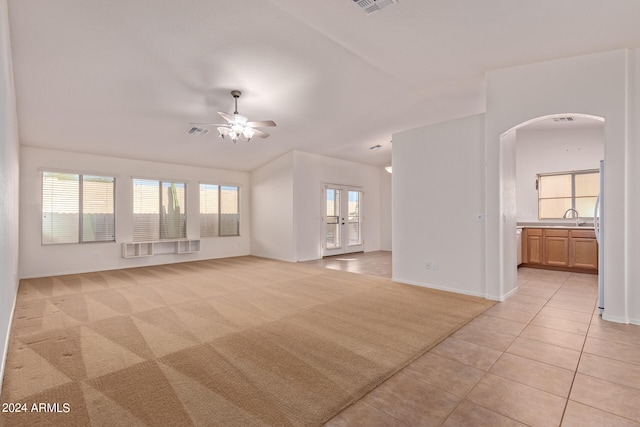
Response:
column 571, row 225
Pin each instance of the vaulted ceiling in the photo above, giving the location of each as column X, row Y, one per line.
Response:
column 125, row 78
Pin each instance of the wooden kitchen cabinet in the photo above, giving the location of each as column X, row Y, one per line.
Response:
column 532, row 252
column 560, row 249
column 556, row 247
column 584, row 249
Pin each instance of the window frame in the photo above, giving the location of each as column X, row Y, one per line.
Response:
column 81, row 227
column 572, row 198
column 160, row 182
column 218, row 232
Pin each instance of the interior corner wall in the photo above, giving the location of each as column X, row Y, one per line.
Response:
column 438, row 191
column 37, row 260
column 596, row 84
column 272, row 209
column 9, row 189
column 311, row 172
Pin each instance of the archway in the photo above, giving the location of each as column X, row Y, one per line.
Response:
column 509, row 212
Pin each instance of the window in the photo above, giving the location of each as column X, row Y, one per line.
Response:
column 219, row 210
column 158, row 210
column 558, row 192
column 355, row 221
column 77, row 208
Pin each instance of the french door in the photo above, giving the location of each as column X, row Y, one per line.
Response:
column 341, row 220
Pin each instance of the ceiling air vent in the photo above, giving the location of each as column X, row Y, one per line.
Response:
column 371, row 6
column 563, row 119
column 197, row 131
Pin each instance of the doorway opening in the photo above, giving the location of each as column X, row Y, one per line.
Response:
column 342, row 220
column 546, row 144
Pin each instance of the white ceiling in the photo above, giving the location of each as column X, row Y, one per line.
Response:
column 125, row 77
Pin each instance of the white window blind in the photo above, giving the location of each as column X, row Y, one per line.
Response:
column 219, row 210
column 229, row 211
column 158, row 210
column 77, row 208
column 209, row 210
column 558, row 192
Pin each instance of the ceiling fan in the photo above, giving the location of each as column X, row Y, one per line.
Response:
column 237, row 126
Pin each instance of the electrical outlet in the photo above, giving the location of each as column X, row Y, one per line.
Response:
column 427, row 265
column 481, row 217
column 434, row 265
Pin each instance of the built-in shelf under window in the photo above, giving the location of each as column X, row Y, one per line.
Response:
column 159, row 247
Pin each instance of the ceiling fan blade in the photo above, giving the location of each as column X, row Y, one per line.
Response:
column 261, row 124
column 260, row 133
column 227, row 117
column 210, row 124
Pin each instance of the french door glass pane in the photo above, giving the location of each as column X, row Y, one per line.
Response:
column 333, row 237
column 354, row 218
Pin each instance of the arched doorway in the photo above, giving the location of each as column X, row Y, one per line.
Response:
column 512, row 210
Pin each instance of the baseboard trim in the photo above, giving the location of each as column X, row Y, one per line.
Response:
column 623, row 320
column 507, row 295
column 440, row 288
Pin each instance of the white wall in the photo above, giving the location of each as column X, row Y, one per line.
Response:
column 600, row 85
column 633, row 178
column 311, row 171
column 552, row 150
column 37, row 260
column 272, row 209
column 385, row 210
column 438, row 190
column 9, row 188
column 287, row 204
column 508, row 252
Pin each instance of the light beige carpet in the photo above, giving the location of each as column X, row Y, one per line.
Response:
column 241, row 341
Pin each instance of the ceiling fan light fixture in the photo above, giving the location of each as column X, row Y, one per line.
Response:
column 240, row 120
column 237, row 126
column 222, row 131
column 248, row 133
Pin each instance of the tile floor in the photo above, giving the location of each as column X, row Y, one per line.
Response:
column 543, row 357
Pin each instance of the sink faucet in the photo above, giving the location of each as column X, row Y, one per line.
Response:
column 577, row 216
